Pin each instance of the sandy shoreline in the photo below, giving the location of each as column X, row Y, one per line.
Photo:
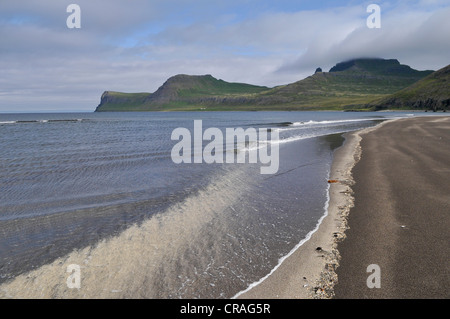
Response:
column 400, row 221
column 309, row 272
column 313, row 270
column 332, row 250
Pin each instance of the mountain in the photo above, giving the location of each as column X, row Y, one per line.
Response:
column 348, row 85
column 430, row 93
column 182, row 92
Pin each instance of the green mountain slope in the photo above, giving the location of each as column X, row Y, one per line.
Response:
column 430, row 93
column 348, row 85
column 180, row 92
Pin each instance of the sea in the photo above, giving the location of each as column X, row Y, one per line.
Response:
column 104, row 188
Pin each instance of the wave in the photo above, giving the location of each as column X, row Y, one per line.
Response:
column 42, row 121
column 275, row 124
column 264, row 143
column 301, row 243
column 305, row 131
column 163, row 251
column 327, row 123
column 312, row 122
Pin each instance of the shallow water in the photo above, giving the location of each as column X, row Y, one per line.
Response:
column 101, row 190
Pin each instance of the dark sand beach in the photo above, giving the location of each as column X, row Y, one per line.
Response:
column 400, row 220
column 390, row 208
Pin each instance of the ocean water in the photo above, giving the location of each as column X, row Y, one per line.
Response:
column 103, row 185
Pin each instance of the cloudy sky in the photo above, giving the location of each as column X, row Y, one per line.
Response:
column 135, row 45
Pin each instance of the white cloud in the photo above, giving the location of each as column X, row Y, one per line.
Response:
column 135, row 48
column 416, row 38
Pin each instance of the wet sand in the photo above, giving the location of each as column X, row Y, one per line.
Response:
column 390, row 208
column 401, row 216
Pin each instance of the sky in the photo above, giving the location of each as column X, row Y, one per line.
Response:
column 136, row 45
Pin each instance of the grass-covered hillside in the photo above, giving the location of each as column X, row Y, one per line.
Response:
column 348, row 85
column 430, row 93
column 180, row 92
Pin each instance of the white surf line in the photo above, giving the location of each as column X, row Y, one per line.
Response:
column 312, row 122
column 282, row 259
